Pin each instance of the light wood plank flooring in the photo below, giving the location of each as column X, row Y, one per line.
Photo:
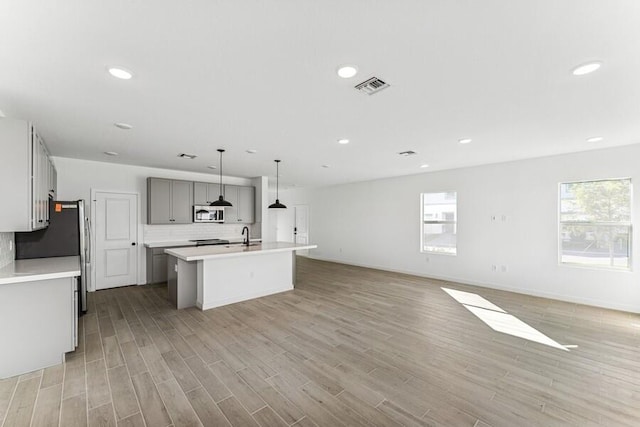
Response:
column 349, row 346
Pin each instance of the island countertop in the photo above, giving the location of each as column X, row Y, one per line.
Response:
column 226, row 251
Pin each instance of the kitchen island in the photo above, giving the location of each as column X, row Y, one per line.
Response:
column 213, row 276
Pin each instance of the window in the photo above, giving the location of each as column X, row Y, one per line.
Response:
column 595, row 223
column 439, row 223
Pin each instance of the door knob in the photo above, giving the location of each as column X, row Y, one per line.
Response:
column 133, row 243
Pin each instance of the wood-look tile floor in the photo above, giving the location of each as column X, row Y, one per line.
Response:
column 349, row 346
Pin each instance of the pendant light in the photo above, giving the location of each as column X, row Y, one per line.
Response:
column 277, row 204
column 221, row 202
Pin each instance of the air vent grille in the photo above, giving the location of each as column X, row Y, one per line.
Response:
column 407, row 153
column 372, row 85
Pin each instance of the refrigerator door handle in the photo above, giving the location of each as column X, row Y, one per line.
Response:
column 82, row 228
column 75, row 315
column 89, row 241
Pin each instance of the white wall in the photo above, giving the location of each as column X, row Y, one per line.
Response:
column 377, row 224
column 6, row 253
column 77, row 177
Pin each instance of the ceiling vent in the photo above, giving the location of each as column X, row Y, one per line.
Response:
column 187, row 156
column 407, row 153
column 371, row 86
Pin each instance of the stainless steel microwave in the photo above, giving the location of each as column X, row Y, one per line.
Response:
column 204, row 213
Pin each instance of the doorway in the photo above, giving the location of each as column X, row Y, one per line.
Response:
column 301, row 227
column 115, row 216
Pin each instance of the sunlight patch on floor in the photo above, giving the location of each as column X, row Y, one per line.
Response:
column 499, row 320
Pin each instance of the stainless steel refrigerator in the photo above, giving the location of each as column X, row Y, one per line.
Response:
column 68, row 234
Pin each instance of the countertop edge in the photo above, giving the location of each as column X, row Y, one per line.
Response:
column 33, row 270
column 36, row 277
column 186, row 243
column 237, row 254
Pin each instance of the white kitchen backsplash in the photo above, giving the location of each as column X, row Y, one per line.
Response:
column 6, row 255
column 178, row 232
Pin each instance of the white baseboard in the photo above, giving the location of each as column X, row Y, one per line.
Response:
column 464, row 281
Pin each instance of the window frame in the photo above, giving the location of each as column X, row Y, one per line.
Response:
column 560, row 223
column 444, row 222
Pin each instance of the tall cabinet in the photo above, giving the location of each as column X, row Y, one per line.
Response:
column 27, row 177
column 205, row 193
column 243, row 199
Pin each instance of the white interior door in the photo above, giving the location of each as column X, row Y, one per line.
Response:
column 301, row 226
column 116, row 219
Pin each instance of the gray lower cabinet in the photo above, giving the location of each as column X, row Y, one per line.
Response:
column 182, row 279
column 243, row 199
column 156, row 265
column 169, row 201
column 38, row 324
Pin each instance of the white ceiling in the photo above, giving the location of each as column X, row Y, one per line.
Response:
column 262, row 75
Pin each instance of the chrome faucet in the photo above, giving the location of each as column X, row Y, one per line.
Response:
column 246, row 240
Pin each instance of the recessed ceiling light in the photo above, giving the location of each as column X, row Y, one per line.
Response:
column 110, row 153
column 326, row 166
column 347, row 71
column 120, row 73
column 595, row 139
column 424, row 166
column 212, row 167
column 465, row 140
column 252, row 151
column 343, row 141
column 587, row 68
column 125, row 126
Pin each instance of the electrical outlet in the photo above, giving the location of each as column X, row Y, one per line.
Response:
column 504, row 218
column 494, row 267
column 493, row 218
column 426, row 259
column 503, row 268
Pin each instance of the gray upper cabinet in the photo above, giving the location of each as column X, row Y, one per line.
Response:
column 27, row 177
column 205, row 193
column 169, row 201
column 182, row 202
column 243, row 200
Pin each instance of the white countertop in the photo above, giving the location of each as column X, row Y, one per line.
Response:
column 224, row 251
column 186, row 243
column 29, row 270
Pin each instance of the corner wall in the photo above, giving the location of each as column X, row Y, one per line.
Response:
column 6, row 255
column 377, row 224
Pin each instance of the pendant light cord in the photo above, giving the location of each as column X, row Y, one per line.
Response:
column 221, row 174
column 277, row 180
